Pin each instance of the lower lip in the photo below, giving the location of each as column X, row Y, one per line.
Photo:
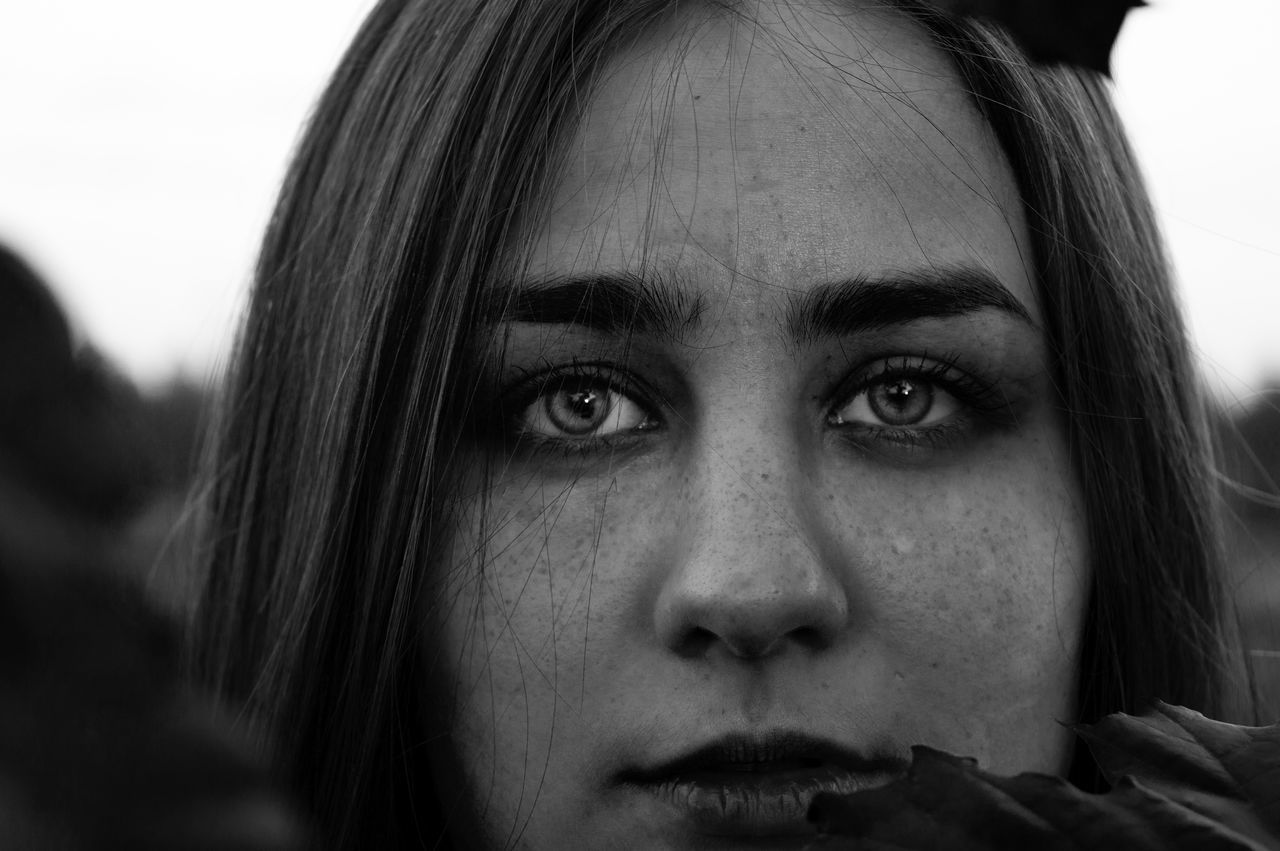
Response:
column 757, row 804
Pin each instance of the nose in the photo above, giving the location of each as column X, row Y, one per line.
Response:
column 753, row 573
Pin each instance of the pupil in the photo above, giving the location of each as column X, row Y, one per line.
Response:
column 901, row 392
column 584, row 404
column 901, row 402
column 577, row 412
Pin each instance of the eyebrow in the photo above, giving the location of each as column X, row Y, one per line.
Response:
column 866, row 303
column 610, row 302
column 627, row 303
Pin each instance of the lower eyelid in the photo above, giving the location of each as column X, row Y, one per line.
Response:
column 889, row 438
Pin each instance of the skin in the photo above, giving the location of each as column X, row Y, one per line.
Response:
column 734, row 557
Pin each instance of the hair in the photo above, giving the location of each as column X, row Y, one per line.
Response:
column 330, row 482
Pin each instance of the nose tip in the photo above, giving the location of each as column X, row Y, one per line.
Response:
column 755, row 567
column 750, row 608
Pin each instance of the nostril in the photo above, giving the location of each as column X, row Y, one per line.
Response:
column 748, row 644
column 695, row 642
column 755, row 637
column 810, row 637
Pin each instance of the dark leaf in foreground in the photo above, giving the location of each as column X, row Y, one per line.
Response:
column 1224, row 771
column 1180, row 782
column 1077, row 32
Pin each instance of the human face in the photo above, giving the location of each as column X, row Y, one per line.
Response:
column 771, row 484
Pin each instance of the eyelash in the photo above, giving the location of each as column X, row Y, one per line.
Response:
column 534, row 384
column 979, row 400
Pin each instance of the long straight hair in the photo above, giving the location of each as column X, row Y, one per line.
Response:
column 1158, row 623
column 329, row 490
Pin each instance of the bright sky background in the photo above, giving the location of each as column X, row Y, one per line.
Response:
column 142, row 143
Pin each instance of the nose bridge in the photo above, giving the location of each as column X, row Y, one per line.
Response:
column 750, row 572
column 743, row 495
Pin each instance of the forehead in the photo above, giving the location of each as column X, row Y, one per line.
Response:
column 769, row 151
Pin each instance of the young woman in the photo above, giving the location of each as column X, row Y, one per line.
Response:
column 650, row 414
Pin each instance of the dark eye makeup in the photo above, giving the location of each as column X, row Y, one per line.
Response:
column 917, row 402
column 914, row 403
column 576, row 408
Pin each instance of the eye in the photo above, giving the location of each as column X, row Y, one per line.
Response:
column 581, row 408
column 902, row 402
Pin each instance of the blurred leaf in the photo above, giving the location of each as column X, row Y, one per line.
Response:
column 1180, row 781
column 101, row 745
column 1224, row 771
column 1077, row 32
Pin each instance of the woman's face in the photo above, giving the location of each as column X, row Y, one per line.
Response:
column 770, row 485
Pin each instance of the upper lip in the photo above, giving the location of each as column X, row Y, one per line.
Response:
column 777, row 750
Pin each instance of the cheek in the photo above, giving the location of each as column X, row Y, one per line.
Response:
column 974, row 588
column 521, row 602
column 520, row 593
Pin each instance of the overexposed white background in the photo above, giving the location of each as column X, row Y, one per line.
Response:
column 142, row 142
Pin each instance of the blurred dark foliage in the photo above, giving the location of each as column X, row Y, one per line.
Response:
column 1249, row 438
column 87, row 462
column 102, row 745
column 174, row 417
column 160, row 540
column 1075, row 32
column 1248, row 434
column 71, row 428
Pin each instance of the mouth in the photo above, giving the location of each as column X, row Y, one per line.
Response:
column 759, row 785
